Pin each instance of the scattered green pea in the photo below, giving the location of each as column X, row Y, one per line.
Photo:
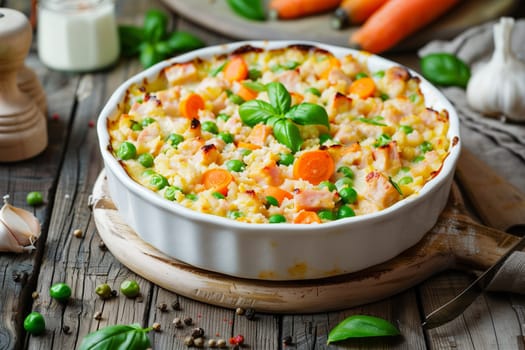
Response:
column 331, row 187
column 218, row 195
column 103, row 291
column 130, row 288
column 147, row 121
column 136, row 126
column 426, row 147
column 60, row 291
column 384, row 96
column 348, row 195
column 126, row 151
column 276, row 219
column 418, row 159
column 146, row 160
column 407, row 129
column 286, row 159
column 345, row 212
column 382, row 140
column 175, row 139
column 379, row 74
column 34, row 323
column 34, row 198
column 158, row 181
column 148, row 172
column 361, row 75
column 170, row 192
column 405, row 180
column 238, row 100
column 270, row 200
column 254, row 74
column 223, row 116
column 346, row 171
column 326, row 215
column 210, row 127
column 245, row 151
column 343, row 182
column 192, row 196
column 226, row 137
column 234, row 214
column 313, row 91
column 414, row 98
column 235, row 165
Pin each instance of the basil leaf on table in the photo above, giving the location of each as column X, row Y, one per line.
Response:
column 117, row 337
column 149, row 55
column 183, row 41
column 256, row 111
column 130, row 39
column 155, row 25
column 445, row 69
column 287, row 133
column 308, row 114
column 279, row 97
column 250, row 9
column 359, row 326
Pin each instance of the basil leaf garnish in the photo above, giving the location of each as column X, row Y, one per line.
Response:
column 287, row 133
column 308, row 114
column 117, row 337
column 256, row 111
column 279, row 97
column 359, row 326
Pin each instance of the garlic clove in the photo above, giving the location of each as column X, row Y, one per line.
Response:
column 19, row 229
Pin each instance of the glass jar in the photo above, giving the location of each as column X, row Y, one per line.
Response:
column 77, row 35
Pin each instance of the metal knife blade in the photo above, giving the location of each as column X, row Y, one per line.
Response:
column 458, row 304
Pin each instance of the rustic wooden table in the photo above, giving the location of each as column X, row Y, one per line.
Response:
column 65, row 174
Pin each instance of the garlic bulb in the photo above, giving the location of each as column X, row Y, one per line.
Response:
column 19, row 229
column 498, row 87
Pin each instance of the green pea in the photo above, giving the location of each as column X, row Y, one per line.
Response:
column 286, row 159
column 223, row 116
column 60, row 292
column 130, row 288
column 346, row 171
column 254, row 74
column 343, row 182
column 136, row 126
column 226, row 137
column 245, row 152
column 382, row 140
column 158, row 181
column 218, row 195
column 414, row 98
column 210, row 127
column 175, row 139
column 148, row 172
column 384, row 96
column 192, row 196
column 348, row 195
column 34, row 323
column 103, row 291
column 379, row 74
column 170, row 192
column 276, row 219
column 326, row 215
column 405, row 180
column 238, row 100
column 270, row 200
column 418, row 159
column 146, row 160
column 361, row 75
column 324, row 137
column 234, row 214
column 407, row 129
column 331, row 187
column 313, row 91
column 34, row 198
column 426, row 147
column 235, row 165
column 126, row 151
column 345, row 212
column 147, row 121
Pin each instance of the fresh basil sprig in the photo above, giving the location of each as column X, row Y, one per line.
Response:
column 117, row 337
column 359, row 326
column 250, row 9
column 283, row 118
column 153, row 42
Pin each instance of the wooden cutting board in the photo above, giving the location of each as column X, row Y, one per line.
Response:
column 455, row 242
column 218, row 17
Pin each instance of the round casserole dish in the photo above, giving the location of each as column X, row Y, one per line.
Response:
column 277, row 251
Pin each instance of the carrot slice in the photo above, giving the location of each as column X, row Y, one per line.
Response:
column 247, row 145
column 258, row 134
column 277, row 193
column 396, row 20
column 356, row 11
column 247, row 94
column 217, row 179
column 307, row 217
column 364, row 87
column 289, row 9
column 190, row 106
column 236, row 69
column 314, row 166
column 331, row 63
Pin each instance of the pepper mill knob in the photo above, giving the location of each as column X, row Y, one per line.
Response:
column 23, row 130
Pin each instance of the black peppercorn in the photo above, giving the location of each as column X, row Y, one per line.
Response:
column 188, row 321
column 250, row 314
column 197, row 332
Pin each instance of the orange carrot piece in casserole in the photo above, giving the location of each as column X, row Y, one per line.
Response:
column 364, row 87
column 236, row 69
column 278, row 193
column 190, row 106
column 314, row 166
column 217, row 179
column 307, row 217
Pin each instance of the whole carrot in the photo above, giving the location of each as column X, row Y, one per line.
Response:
column 396, row 20
column 354, row 12
column 289, row 9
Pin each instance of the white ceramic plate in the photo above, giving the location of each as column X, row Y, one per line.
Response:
column 277, row 251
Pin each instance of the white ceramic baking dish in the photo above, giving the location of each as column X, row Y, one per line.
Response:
column 277, row 251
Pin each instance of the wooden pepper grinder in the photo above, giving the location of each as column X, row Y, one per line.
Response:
column 23, row 130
